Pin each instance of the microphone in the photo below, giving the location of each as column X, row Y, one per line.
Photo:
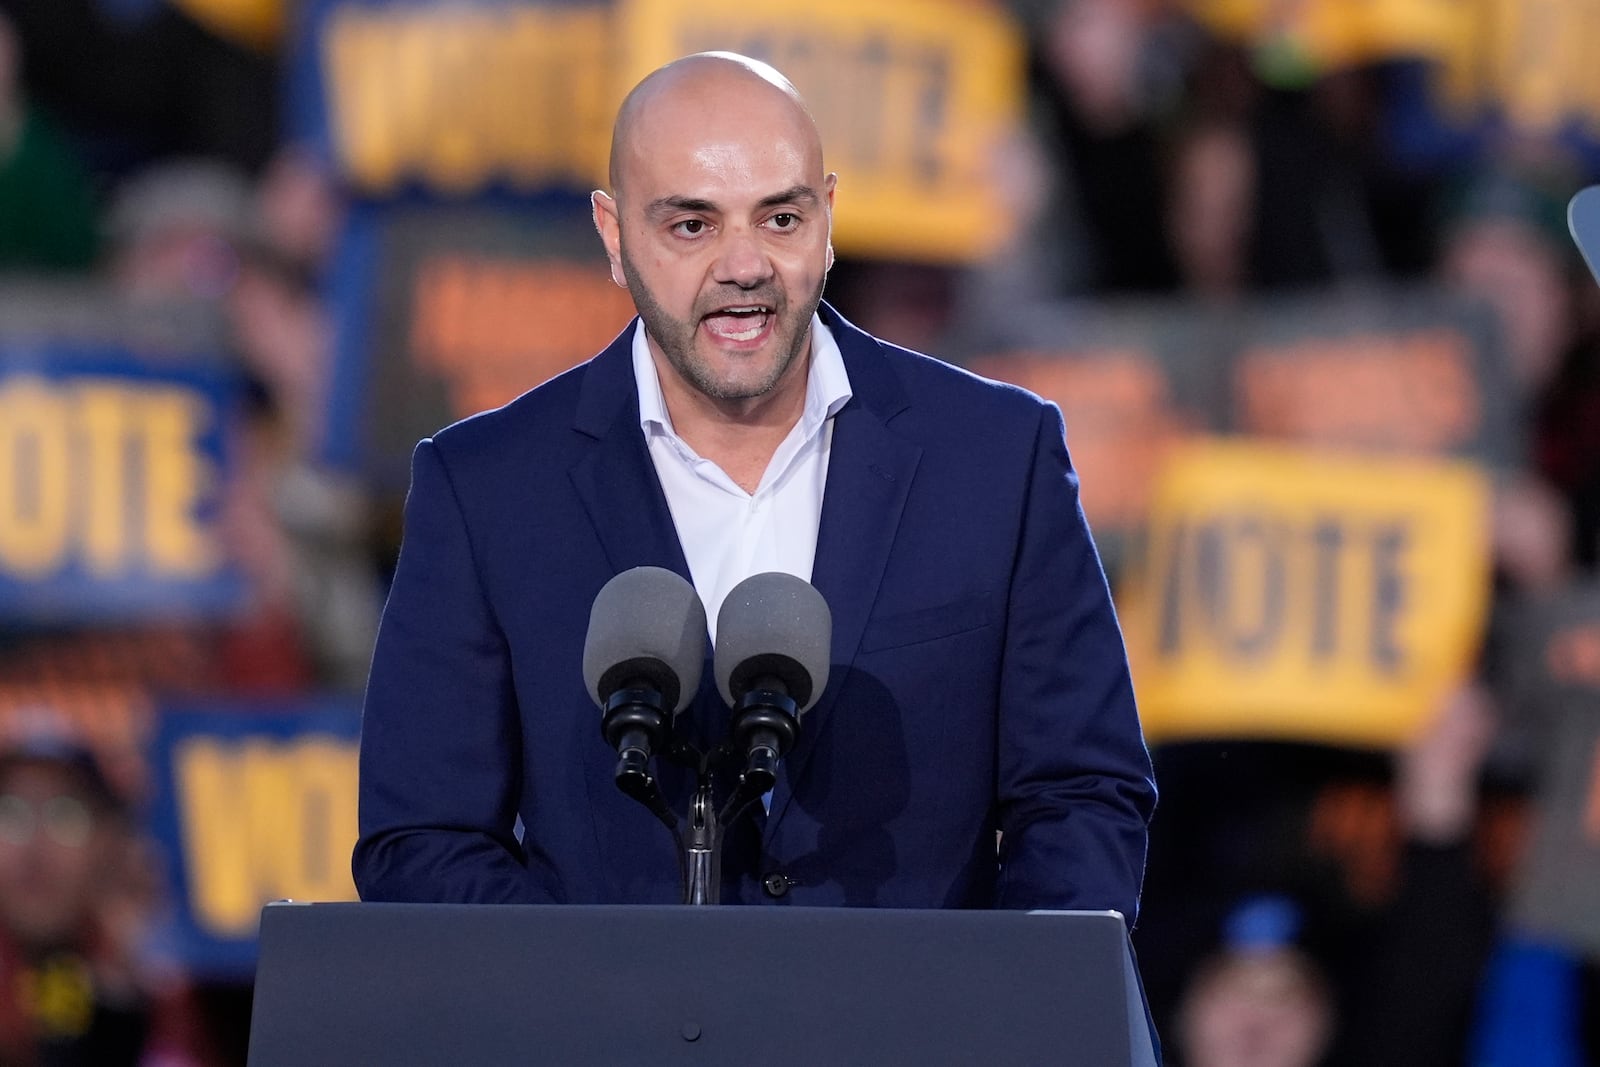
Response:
column 642, row 660
column 774, row 634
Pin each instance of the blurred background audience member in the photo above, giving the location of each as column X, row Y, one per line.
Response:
column 77, row 905
column 48, row 218
column 1258, row 1000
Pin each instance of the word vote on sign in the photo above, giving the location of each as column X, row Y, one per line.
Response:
column 518, row 96
column 253, row 804
column 1292, row 593
column 109, row 492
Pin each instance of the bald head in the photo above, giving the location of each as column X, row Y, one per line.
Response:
column 719, row 223
column 703, row 84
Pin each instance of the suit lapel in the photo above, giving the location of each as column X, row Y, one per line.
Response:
column 869, row 476
column 616, row 480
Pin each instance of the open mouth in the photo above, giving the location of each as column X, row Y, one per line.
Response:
column 739, row 324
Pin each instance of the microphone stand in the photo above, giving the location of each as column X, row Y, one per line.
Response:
column 702, row 848
column 765, row 725
column 699, row 837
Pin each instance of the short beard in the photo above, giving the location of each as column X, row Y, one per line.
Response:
column 676, row 338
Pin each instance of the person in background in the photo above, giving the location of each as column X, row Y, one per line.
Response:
column 1209, row 209
column 47, row 206
column 1259, row 1000
column 1105, row 73
column 75, row 906
column 1505, row 244
column 1410, row 970
column 176, row 231
column 299, row 209
column 303, row 530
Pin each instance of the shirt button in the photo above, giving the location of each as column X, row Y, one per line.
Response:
column 776, row 884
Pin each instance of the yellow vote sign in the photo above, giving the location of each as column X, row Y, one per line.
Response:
column 1529, row 61
column 263, row 818
column 253, row 23
column 913, row 101
column 457, row 97
column 1336, row 33
column 1295, row 594
column 109, row 487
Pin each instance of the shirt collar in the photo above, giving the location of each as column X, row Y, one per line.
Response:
column 827, row 383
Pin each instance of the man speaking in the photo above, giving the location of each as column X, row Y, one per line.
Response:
column 977, row 681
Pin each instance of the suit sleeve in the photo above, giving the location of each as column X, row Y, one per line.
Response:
column 1076, row 789
column 440, row 740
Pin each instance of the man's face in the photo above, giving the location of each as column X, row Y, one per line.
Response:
column 52, row 851
column 1264, row 1009
column 721, row 233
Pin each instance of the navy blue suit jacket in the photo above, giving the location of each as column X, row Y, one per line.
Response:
column 978, row 679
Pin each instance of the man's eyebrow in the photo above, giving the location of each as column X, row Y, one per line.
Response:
column 799, row 195
column 666, row 205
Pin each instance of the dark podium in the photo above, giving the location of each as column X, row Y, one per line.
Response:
column 463, row 985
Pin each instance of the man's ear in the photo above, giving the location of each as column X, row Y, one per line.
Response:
column 830, row 183
column 610, row 229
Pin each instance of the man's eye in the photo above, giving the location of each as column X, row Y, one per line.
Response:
column 785, row 220
column 690, row 227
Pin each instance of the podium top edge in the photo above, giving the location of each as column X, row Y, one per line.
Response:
column 439, row 905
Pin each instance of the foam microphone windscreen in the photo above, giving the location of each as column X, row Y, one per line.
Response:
column 773, row 625
column 647, row 625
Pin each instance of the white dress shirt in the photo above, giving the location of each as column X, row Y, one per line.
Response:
column 728, row 534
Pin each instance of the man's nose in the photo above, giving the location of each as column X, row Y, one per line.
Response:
column 742, row 260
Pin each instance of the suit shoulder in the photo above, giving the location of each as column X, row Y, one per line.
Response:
column 535, row 421
column 930, row 380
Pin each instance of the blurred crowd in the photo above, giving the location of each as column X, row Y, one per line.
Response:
column 1305, row 905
